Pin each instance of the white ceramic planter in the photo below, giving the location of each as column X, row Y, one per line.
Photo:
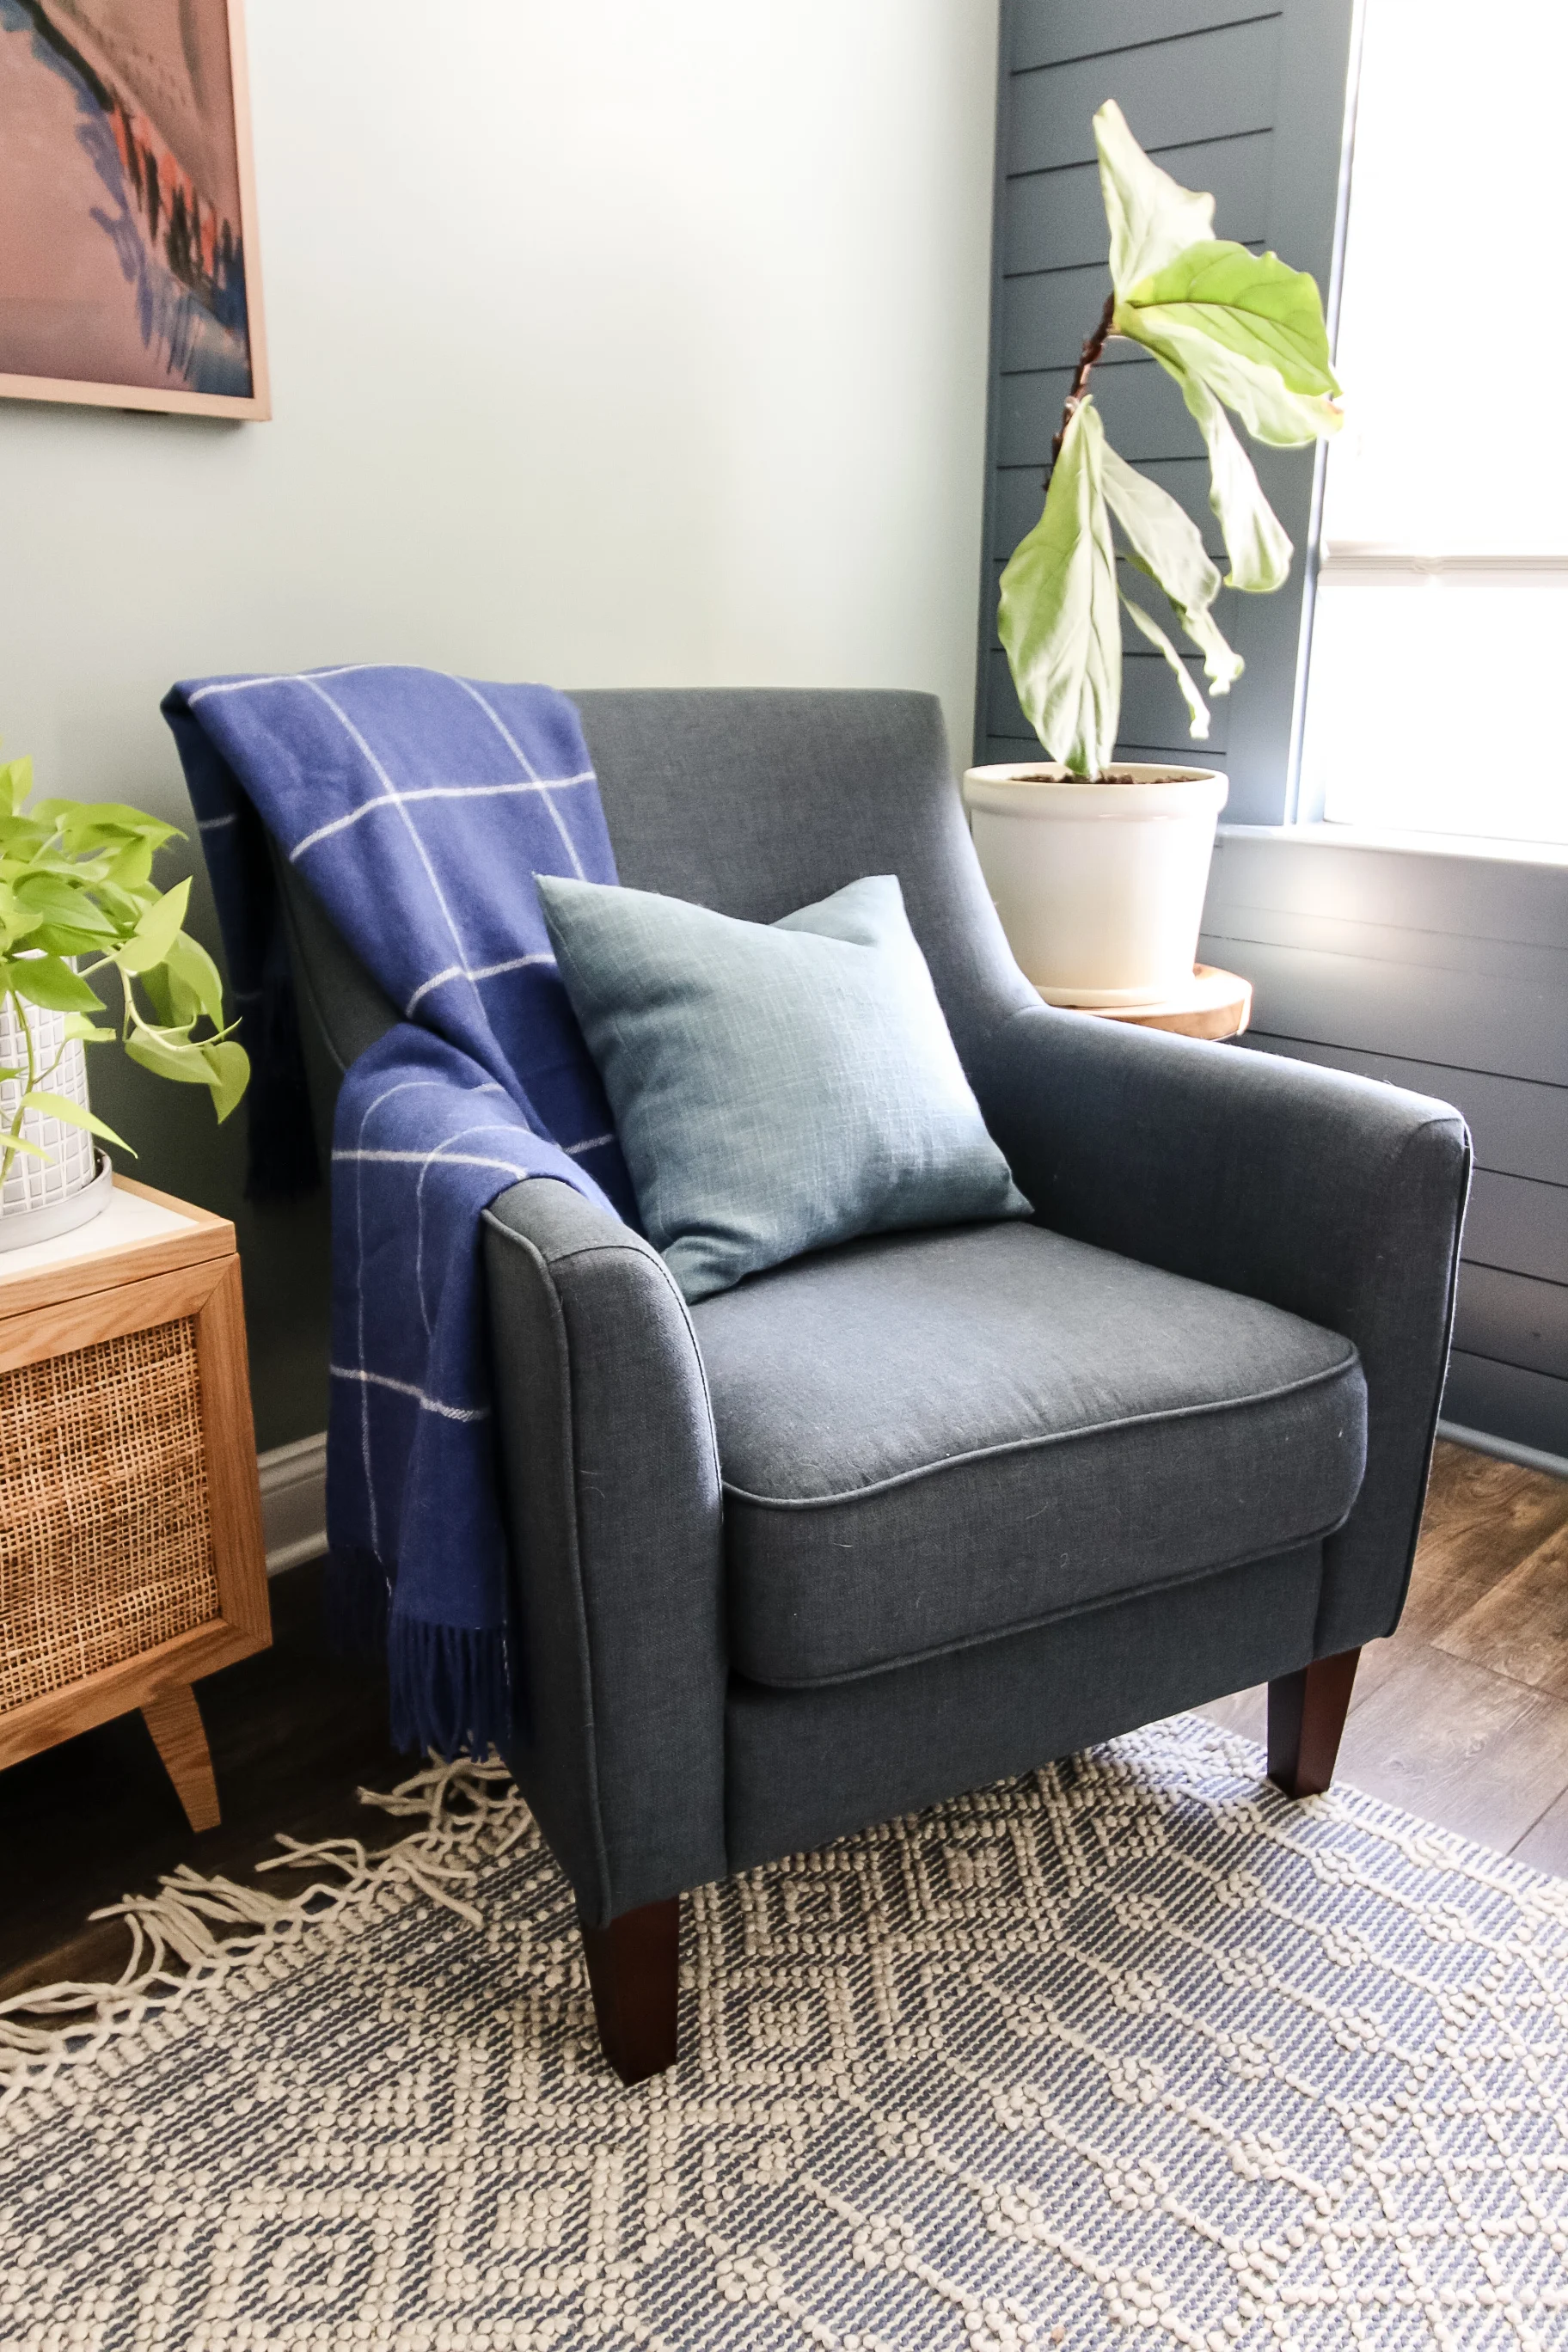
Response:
column 1099, row 886
column 41, row 1198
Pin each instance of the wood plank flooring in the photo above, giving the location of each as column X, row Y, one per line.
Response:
column 1461, row 1717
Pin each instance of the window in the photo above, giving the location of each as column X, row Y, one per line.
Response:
column 1440, row 639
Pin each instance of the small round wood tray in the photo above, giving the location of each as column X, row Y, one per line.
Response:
column 1216, row 1004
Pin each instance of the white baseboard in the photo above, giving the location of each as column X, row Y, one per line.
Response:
column 1530, row 1456
column 294, row 1502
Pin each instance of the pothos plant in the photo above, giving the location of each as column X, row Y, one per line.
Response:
column 77, row 902
column 1238, row 331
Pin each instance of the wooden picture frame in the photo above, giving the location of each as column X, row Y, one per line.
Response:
column 188, row 1270
column 195, row 294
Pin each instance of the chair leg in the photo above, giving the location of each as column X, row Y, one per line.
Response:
column 634, row 1969
column 175, row 1721
column 1306, row 1716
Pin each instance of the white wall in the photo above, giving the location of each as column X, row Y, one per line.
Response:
column 613, row 341
column 620, row 341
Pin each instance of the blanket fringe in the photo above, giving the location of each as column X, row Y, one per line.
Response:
column 194, row 1932
column 449, row 1688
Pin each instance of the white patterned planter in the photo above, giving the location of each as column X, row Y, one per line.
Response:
column 40, row 1198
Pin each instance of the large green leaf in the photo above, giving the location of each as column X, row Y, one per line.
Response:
column 103, row 824
column 190, row 966
column 1151, row 218
column 1222, row 664
column 45, row 980
column 150, row 940
column 1250, row 302
column 60, row 900
column 57, row 1106
column 230, row 1066
column 169, row 1057
column 1166, row 542
column 1265, row 403
column 222, row 1067
column 1059, row 618
column 15, row 784
column 1197, row 709
column 1255, row 539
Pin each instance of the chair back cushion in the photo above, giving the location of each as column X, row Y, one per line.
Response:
column 752, row 801
column 756, row 800
column 776, row 1087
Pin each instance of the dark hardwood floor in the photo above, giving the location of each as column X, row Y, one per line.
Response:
column 1461, row 1717
column 295, row 1732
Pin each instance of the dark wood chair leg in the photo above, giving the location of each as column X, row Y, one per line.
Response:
column 633, row 1967
column 1306, row 1716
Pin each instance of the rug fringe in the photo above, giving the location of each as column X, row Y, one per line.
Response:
column 197, row 1932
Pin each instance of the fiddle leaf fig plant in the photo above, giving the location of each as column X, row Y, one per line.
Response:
column 1238, row 331
column 77, row 902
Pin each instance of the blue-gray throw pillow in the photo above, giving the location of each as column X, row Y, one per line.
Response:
column 776, row 1087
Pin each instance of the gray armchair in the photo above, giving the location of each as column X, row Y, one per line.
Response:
column 902, row 1517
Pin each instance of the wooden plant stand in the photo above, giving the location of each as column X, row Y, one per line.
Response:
column 1215, row 1004
column 130, row 1547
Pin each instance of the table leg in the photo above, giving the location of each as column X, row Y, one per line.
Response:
column 175, row 1721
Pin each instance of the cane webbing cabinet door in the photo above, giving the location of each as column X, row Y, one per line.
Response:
column 131, row 1547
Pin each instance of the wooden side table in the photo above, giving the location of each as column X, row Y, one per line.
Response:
column 1217, row 1004
column 130, row 1547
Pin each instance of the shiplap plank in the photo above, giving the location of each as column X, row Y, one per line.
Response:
column 1046, row 318
column 1322, row 870
column 1519, row 1129
column 1420, row 1012
column 1536, row 976
column 1513, row 1319
column 1053, row 32
column 1508, row 1401
column 1056, row 220
column 1151, row 707
column 1199, row 86
column 1144, row 415
column 1518, row 1225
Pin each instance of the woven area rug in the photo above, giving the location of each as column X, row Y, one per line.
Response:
column 1129, row 2051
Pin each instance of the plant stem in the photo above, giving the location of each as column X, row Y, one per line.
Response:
column 1090, row 352
column 8, row 1158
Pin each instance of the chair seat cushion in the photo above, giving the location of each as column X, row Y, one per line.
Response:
column 930, row 1439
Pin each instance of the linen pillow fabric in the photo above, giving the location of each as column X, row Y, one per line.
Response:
column 776, row 1087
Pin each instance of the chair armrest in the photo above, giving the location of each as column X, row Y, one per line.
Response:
column 1331, row 1195
column 610, row 1485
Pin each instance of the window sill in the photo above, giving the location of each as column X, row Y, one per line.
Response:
column 1420, row 845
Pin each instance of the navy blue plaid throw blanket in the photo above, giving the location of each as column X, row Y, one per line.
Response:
column 416, row 808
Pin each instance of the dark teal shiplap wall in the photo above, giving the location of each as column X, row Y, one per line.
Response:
column 1426, row 968
column 1447, row 974
column 1204, row 85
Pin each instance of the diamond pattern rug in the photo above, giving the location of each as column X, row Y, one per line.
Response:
column 1128, row 2052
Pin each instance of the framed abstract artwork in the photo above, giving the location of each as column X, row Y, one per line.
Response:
column 128, row 268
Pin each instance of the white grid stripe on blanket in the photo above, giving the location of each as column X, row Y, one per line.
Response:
column 379, row 772
column 406, row 1388
column 515, row 748
column 480, row 972
column 391, row 798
